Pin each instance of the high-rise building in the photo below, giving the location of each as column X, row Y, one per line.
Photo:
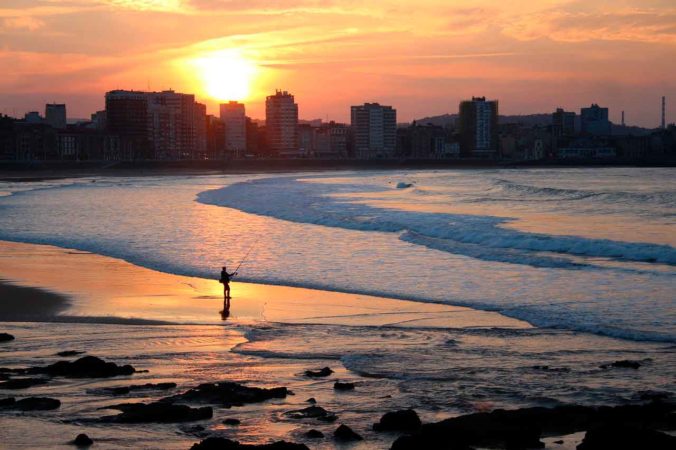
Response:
column 127, row 117
column 171, row 118
column 374, row 129
column 253, row 145
column 159, row 125
column 594, row 121
column 200, row 121
column 563, row 123
column 281, row 124
column 233, row 116
column 55, row 115
column 215, row 138
column 478, row 127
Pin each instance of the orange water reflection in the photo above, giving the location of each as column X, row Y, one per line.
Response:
column 106, row 287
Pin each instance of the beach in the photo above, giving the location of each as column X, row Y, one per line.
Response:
column 433, row 297
column 125, row 318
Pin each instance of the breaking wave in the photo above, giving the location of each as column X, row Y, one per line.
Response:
column 480, row 237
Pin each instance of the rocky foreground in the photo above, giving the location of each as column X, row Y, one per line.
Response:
column 643, row 425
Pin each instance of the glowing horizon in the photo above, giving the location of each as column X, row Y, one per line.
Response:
column 421, row 59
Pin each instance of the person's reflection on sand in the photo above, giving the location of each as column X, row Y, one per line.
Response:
column 225, row 314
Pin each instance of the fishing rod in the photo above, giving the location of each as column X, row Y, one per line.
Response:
column 247, row 255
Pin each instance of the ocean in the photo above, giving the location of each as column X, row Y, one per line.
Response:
column 585, row 255
column 589, row 250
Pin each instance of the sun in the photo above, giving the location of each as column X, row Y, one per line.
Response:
column 226, row 75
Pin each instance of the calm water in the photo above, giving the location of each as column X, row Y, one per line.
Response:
column 587, row 255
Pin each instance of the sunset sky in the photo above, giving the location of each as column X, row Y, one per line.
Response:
column 422, row 57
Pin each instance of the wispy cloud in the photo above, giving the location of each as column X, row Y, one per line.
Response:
column 632, row 24
column 329, row 52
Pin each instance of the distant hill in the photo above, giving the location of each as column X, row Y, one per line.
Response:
column 531, row 120
column 528, row 120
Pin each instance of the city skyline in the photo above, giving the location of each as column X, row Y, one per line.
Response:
column 39, row 113
column 424, row 61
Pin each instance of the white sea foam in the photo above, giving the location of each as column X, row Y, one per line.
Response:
column 483, row 236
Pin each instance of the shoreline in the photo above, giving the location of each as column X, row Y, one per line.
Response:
column 19, row 171
column 135, row 294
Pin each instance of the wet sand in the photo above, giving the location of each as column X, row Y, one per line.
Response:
column 102, row 289
column 22, row 304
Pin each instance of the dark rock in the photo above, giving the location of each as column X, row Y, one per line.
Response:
column 152, row 386
column 559, row 442
column 229, row 394
column 6, row 337
column 232, row 422
column 522, row 428
column 338, row 386
column 654, row 395
column 22, row 383
column 67, row 353
column 36, row 404
column 158, row 412
column 312, row 412
column 121, row 390
column 7, row 401
column 345, row 433
column 324, row 372
column 552, row 369
column 626, row 438
column 624, row 364
column 85, row 367
column 314, row 434
column 82, row 440
column 311, row 400
column 219, row 443
column 406, row 419
column 195, row 429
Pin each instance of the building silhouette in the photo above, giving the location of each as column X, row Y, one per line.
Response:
column 164, row 125
column 199, row 151
column 374, row 130
column 478, row 127
column 563, row 123
column 33, row 117
column 127, row 117
column 331, row 140
column 233, row 116
column 594, row 121
column 215, row 138
column 281, row 124
column 55, row 115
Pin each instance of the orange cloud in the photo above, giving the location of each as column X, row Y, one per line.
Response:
column 22, row 23
column 421, row 56
column 638, row 25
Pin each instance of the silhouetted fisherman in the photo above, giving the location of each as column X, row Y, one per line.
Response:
column 225, row 279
